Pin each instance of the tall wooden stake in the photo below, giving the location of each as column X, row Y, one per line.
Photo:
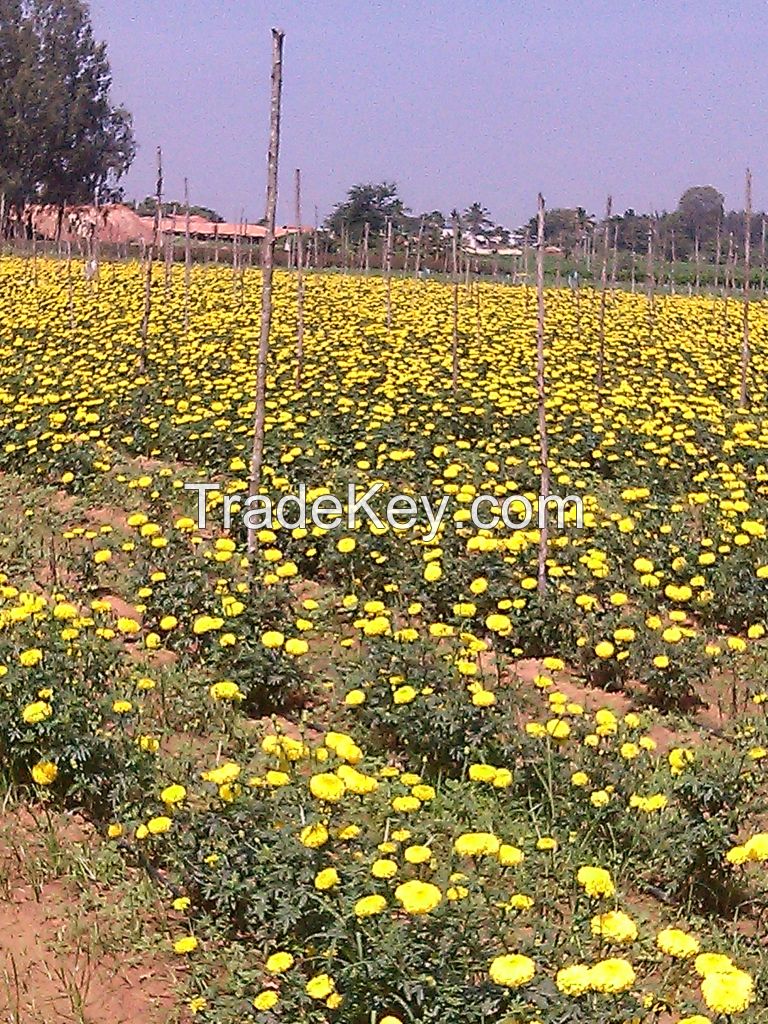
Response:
column 299, row 285
column 743, row 390
column 541, row 393
column 419, row 242
column 267, row 264
column 388, row 271
column 603, row 292
column 187, row 256
column 455, row 276
column 150, row 258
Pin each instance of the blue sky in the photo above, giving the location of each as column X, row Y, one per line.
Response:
column 490, row 100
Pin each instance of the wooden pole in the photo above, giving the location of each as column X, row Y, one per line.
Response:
column 267, row 264
column 187, row 256
column 366, row 253
column 455, row 276
column 150, row 257
column 299, row 285
column 603, row 292
column 744, row 390
column 419, row 243
column 541, row 393
column 388, row 271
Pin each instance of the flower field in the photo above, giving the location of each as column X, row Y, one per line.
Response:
column 375, row 778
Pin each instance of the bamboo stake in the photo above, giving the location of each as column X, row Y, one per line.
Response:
column 614, row 259
column 455, row 276
column 603, row 291
column 743, row 390
column 187, row 256
column 150, row 257
column 419, row 242
column 388, row 271
column 268, row 253
column 542, row 412
column 299, row 285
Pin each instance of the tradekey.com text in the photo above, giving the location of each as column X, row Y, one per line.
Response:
column 319, row 508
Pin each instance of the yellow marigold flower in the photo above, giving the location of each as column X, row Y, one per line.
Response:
column 279, row 963
column 36, row 712
column 418, row 897
column 510, row 856
column 677, row 943
column 614, row 926
column 326, row 879
column 370, row 905
column 173, row 794
column 712, row 963
column 482, row 772
column 611, row 976
column 265, row 1000
column 226, row 690
column 320, row 987
column 384, row 868
column 423, row 792
column 729, row 992
column 224, row 774
column 44, row 773
column 159, row 826
column 477, row 844
column 328, row 787
column 595, row 881
column 296, row 646
column 573, row 980
column 418, row 854
column 519, row 901
column 272, row 639
column 757, row 847
column 314, row 836
column 558, row 729
column 404, row 695
column 512, row 970
column 186, row 944
column 679, row 758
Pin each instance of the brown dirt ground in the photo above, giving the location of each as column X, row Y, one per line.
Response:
column 51, row 969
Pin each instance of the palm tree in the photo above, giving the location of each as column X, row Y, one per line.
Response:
column 475, row 219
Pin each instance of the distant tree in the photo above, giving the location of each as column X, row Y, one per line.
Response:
column 700, row 210
column 475, row 219
column 566, row 227
column 146, row 208
column 61, row 139
column 633, row 230
column 373, row 204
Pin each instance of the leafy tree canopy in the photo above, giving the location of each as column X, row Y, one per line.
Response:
column 371, row 204
column 61, row 139
column 146, row 208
